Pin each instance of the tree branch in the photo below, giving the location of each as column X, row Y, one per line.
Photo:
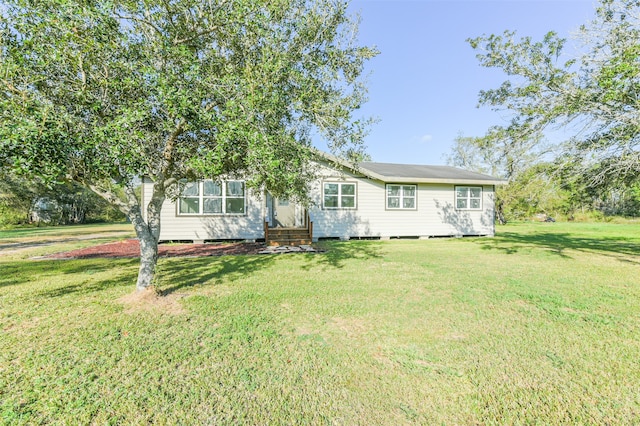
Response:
column 13, row 89
column 197, row 35
column 141, row 21
column 110, row 196
column 167, row 154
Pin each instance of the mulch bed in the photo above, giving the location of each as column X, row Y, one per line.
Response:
column 131, row 248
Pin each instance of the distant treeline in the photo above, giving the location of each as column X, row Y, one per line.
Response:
column 30, row 201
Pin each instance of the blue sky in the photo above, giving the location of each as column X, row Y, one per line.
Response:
column 424, row 84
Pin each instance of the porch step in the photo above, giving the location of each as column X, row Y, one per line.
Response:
column 289, row 242
column 288, row 237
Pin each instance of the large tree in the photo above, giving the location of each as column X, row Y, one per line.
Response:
column 591, row 96
column 102, row 91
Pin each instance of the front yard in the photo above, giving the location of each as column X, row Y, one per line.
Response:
column 540, row 324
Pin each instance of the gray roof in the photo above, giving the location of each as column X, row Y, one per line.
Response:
column 414, row 173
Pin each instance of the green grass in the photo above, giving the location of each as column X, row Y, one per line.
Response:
column 51, row 232
column 539, row 325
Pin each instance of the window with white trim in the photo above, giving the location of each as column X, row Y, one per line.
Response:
column 468, row 197
column 208, row 197
column 338, row 195
column 401, row 197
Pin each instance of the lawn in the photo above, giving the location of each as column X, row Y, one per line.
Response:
column 539, row 325
column 53, row 232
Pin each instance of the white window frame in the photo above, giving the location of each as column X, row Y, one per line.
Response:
column 223, row 197
column 340, row 195
column 467, row 198
column 401, row 196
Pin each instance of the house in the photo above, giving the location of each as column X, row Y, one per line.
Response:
column 371, row 200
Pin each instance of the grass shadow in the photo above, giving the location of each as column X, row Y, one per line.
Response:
column 620, row 248
column 87, row 286
column 336, row 253
column 176, row 273
column 21, row 272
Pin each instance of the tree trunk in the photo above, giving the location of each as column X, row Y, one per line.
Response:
column 500, row 213
column 148, row 240
column 148, row 260
column 148, row 233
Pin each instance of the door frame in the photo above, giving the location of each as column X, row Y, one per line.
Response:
column 271, row 206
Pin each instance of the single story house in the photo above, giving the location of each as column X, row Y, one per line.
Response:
column 370, row 200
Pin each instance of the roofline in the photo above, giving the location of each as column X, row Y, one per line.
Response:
column 337, row 160
column 441, row 180
column 398, row 179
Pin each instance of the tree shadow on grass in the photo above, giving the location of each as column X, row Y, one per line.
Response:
column 22, row 272
column 336, row 253
column 624, row 250
column 88, row 286
column 176, row 274
column 179, row 273
column 123, row 273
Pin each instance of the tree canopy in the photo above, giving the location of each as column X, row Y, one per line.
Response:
column 591, row 95
column 502, row 153
column 102, row 91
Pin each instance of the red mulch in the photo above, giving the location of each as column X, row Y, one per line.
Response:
column 131, row 248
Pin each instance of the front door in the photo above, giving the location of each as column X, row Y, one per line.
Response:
column 284, row 213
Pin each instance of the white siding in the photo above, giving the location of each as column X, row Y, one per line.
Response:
column 435, row 215
column 215, row 227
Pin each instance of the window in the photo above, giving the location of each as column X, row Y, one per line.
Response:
column 338, row 195
column 468, row 197
column 234, row 197
column 208, row 197
column 401, row 197
column 190, row 201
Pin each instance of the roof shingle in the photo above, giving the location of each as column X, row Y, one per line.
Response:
column 390, row 172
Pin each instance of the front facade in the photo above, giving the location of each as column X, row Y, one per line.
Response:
column 377, row 200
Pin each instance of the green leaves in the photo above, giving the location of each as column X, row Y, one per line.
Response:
column 132, row 80
column 593, row 95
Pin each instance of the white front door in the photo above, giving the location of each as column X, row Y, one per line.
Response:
column 284, row 213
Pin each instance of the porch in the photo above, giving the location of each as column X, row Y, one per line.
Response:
column 286, row 224
column 289, row 236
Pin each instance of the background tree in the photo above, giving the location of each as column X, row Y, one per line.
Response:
column 103, row 91
column 16, row 200
column 592, row 97
column 502, row 153
column 25, row 200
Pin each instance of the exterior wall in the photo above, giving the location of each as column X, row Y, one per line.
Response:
column 435, row 214
column 215, row 227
